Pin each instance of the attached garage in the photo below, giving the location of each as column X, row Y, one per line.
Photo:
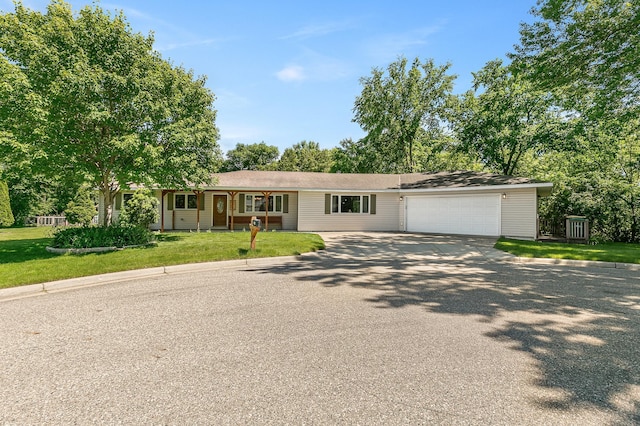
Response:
column 477, row 214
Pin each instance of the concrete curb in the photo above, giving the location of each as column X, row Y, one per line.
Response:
column 93, row 280
column 74, row 283
column 579, row 263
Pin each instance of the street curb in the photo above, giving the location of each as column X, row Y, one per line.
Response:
column 93, row 280
column 572, row 262
column 113, row 277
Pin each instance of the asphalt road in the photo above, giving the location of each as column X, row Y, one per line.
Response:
column 382, row 329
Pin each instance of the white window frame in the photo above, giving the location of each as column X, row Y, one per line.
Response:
column 337, row 202
column 186, row 201
column 250, row 207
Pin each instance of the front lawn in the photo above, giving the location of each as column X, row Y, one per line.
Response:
column 607, row 252
column 24, row 260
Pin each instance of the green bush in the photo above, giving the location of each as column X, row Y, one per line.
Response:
column 140, row 210
column 101, row 236
column 81, row 209
column 6, row 216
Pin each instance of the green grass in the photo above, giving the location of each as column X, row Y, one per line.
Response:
column 24, row 259
column 607, row 252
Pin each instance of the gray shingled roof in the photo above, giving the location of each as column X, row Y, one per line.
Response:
column 272, row 180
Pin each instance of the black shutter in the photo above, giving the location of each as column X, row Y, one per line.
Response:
column 327, row 203
column 241, row 202
column 170, row 201
column 285, row 203
column 372, row 208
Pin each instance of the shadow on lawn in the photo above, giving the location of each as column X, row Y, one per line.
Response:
column 581, row 326
column 15, row 251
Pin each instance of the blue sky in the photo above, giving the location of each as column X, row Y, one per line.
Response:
column 284, row 72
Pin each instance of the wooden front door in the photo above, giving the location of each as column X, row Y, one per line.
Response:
column 220, row 210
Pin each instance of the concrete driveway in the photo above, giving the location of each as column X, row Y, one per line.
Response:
column 378, row 329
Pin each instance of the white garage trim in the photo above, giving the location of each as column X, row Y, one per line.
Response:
column 478, row 214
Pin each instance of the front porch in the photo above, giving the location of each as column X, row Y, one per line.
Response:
column 226, row 210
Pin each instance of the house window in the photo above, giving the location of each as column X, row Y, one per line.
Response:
column 349, row 204
column 126, row 198
column 186, row 201
column 258, row 203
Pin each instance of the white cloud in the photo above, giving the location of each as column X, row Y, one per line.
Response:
column 291, row 73
column 391, row 46
column 318, row 30
column 231, row 99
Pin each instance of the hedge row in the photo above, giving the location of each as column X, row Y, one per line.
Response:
column 100, row 236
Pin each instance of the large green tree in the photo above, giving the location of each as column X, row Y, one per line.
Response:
column 504, row 118
column 401, row 108
column 110, row 110
column 256, row 156
column 306, row 157
column 590, row 49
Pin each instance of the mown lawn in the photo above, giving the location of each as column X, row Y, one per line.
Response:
column 607, row 252
column 24, row 259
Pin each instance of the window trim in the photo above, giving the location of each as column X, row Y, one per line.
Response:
column 250, row 207
column 186, row 197
column 336, row 204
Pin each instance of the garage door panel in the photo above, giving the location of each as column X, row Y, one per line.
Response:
column 471, row 215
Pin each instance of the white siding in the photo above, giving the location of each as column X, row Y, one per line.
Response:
column 312, row 217
column 188, row 218
column 519, row 213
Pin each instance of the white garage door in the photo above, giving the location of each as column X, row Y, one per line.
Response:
column 469, row 215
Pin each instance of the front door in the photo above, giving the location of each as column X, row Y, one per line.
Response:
column 220, row 210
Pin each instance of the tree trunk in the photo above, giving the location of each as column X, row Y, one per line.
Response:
column 109, row 189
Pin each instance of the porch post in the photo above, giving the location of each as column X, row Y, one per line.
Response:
column 266, row 210
column 233, row 205
column 198, row 207
column 164, row 192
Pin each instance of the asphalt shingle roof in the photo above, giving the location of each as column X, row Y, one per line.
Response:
column 273, row 180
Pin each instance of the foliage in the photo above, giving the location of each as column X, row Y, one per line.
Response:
column 101, row 236
column 109, row 109
column 588, row 49
column 257, row 156
column 24, row 260
column 6, row 216
column 506, row 120
column 306, row 157
column 599, row 179
column 354, row 157
column 140, row 210
column 82, row 209
column 402, row 109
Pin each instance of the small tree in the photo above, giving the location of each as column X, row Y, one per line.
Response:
column 81, row 209
column 140, row 210
column 6, row 216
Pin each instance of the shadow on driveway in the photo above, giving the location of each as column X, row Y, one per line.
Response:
column 581, row 326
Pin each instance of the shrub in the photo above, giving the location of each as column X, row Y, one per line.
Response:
column 6, row 216
column 140, row 210
column 101, row 236
column 81, row 209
